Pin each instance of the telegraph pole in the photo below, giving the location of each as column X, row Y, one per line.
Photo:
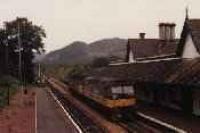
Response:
column 20, row 54
column 20, row 49
column 7, row 69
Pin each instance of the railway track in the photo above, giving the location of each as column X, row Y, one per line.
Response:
column 85, row 123
column 131, row 122
column 137, row 124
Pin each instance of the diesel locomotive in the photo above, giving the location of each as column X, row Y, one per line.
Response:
column 112, row 95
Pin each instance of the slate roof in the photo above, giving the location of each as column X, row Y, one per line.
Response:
column 151, row 48
column 175, row 71
column 194, row 25
column 152, row 71
column 190, row 26
column 187, row 73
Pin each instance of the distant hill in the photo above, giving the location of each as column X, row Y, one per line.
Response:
column 81, row 53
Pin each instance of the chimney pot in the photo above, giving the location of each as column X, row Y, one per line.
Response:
column 167, row 31
column 142, row 35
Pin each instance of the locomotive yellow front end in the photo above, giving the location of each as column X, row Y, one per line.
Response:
column 120, row 103
column 121, row 96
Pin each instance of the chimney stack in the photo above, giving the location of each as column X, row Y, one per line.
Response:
column 142, row 35
column 167, row 31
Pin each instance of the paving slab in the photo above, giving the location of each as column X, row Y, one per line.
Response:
column 175, row 118
column 50, row 117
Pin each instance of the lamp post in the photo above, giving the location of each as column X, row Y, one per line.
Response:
column 39, row 67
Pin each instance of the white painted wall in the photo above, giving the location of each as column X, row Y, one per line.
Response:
column 131, row 58
column 189, row 50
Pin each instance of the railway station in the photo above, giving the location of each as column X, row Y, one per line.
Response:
column 124, row 84
column 161, row 73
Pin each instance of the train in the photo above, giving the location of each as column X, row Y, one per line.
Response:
column 112, row 96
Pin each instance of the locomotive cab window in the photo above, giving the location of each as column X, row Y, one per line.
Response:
column 122, row 92
column 116, row 90
column 128, row 90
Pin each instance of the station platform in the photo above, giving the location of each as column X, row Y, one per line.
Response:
column 172, row 118
column 50, row 117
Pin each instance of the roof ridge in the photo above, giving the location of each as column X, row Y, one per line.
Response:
column 194, row 19
column 144, row 39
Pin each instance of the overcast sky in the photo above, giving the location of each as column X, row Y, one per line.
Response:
column 66, row 21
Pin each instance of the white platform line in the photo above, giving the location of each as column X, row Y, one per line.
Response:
column 162, row 123
column 36, row 129
column 66, row 113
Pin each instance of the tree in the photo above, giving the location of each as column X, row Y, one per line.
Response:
column 2, row 52
column 77, row 72
column 100, row 62
column 30, row 36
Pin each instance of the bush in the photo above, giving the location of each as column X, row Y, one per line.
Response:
column 77, row 72
column 7, row 82
column 100, row 62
